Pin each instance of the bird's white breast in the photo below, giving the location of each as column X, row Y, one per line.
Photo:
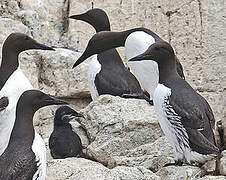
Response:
column 94, row 68
column 170, row 122
column 38, row 147
column 13, row 88
column 161, row 95
column 146, row 71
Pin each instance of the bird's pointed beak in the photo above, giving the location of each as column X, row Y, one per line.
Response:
column 78, row 16
column 80, row 60
column 42, row 47
column 139, row 57
column 80, row 115
column 55, row 101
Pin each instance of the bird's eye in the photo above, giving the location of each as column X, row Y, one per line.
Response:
column 157, row 48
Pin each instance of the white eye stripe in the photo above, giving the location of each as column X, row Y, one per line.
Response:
column 68, row 116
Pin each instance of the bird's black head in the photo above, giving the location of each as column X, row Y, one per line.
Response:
column 32, row 100
column 64, row 114
column 19, row 42
column 95, row 17
column 99, row 43
column 160, row 52
column 163, row 54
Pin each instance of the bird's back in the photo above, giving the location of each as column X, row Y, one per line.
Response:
column 114, row 78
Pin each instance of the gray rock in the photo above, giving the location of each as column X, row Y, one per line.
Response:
column 152, row 156
column 181, row 172
column 213, row 178
column 223, row 164
column 119, row 136
column 59, row 79
column 78, row 168
column 117, row 126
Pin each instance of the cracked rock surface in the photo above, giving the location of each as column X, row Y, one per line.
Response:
column 122, row 135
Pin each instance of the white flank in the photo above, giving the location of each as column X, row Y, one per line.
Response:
column 172, row 127
column 94, row 68
column 146, row 71
column 13, row 88
column 38, row 147
column 160, row 98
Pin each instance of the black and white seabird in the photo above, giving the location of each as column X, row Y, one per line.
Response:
column 25, row 154
column 107, row 73
column 185, row 117
column 136, row 41
column 12, row 81
column 63, row 141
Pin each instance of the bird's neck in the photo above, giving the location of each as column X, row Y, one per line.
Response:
column 59, row 123
column 23, row 127
column 167, row 72
column 104, row 28
column 8, row 65
column 110, row 57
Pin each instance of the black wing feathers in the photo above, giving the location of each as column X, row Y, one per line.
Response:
column 196, row 116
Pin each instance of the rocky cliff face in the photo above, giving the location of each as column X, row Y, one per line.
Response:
column 127, row 141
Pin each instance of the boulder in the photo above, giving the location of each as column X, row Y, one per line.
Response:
column 213, row 178
column 223, row 163
column 181, row 172
column 152, row 156
column 117, row 126
column 79, row 168
column 59, row 79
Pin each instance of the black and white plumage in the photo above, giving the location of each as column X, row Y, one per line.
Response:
column 185, row 117
column 25, row 155
column 63, row 141
column 135, row 41
column 13, row 82
column 107, row 74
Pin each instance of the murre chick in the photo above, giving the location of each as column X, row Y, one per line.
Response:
column 12, row 81
column 184, row 116
column 25, row 155
column 107, row 74
column 135, row 41
column 63, row 141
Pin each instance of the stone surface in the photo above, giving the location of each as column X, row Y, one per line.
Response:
column 118, row 136
column 78, row 168
column 115, row 126
column 213, row 178
column 183, row 172
column 59, row 79
column 152, row 156
column 223, row 164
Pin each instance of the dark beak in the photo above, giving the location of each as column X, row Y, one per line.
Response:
column 43, row 47
column 139, row 57
column 55, row 101
column 78, row 17
column 80, row 115
column 80, row 60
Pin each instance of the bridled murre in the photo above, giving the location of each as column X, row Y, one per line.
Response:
column 63, row 141
column 185, row 117
column 136, row 41
column 25, row 154
column 12, row 81
column 107, row 73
